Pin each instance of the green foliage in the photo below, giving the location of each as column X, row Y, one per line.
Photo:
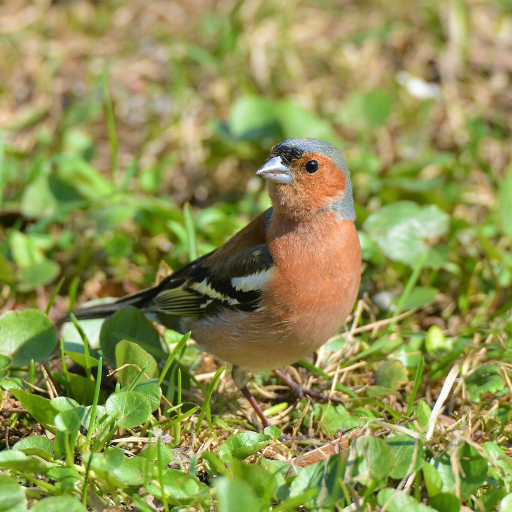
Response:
column 26, row 335
column 151, row 390
column 408, row 454
column 59, row 504
column 180, row 489
column 18, row 461
column 35, row 445
column 235, row 494
column 436, row 343
column 242, row 445
column 254, row 117
column 374, row 460
column 397, row 501
column 128, row 321
column 404, row 231
column 485, row 379
column 110, row 169
column 325, row 477
column 12, row 495
column 391, row 374
column 135, row 358
column 33, row 267
column 128, row 408
column 471, row 464
column 445, row 501
column 37, row 406
column 366, row 111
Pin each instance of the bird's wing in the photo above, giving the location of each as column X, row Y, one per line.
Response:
column 230, row 277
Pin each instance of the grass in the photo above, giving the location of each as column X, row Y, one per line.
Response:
column 129, row 137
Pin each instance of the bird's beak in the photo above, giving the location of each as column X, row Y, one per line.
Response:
column 274, row 170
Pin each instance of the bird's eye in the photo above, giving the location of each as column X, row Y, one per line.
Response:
column 312, row 166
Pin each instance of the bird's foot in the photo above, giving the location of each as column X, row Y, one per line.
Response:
column 298, row 390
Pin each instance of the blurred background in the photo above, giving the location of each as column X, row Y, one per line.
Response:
column 115, row 114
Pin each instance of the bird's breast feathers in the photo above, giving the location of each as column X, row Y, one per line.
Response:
column 304, row 299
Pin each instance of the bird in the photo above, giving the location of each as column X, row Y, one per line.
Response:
column 278, row 289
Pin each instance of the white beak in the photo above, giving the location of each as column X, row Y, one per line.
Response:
column 274, row 170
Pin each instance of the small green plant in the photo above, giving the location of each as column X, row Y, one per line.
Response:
column 114, row 170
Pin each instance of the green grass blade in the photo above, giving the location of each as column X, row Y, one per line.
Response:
column 65, row 373
column 215, row 463
column 296, row 501
column 139, row 376
column 73, row 288
column 128, row 175
column 96, row 398
column 411, row 283
column 177, row 425
column 176, row 350
column 53, row 296
column 417, row 382
column 88, row 363
column 161, row 474
column 191, row 232
column 111, row 127
column 206, row 408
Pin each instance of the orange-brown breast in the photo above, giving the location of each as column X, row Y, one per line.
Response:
column 309, row 296
column 318, row 275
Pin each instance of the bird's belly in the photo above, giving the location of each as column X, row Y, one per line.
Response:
column 305, row 302
column 253, row 341
column 259, row 341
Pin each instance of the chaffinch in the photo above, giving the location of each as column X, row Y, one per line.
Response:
column 279, row 288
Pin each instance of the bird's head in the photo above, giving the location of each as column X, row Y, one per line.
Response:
column 306, row 177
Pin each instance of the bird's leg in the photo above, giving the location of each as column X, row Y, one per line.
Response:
column 240, row 377
column 299, row 391
column 255, row 406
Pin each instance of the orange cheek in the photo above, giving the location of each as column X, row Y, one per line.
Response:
column 309, row 192
column 321, row 188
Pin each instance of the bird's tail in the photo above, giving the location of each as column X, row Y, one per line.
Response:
column 138, row 300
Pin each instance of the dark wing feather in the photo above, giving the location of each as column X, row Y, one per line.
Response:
column 229, row 277
column 203, row 290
